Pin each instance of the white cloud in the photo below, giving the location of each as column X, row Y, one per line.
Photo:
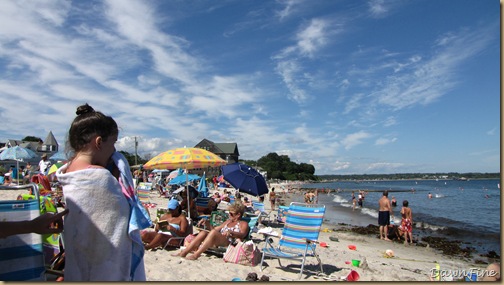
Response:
column 377, row 8
column 384, row 167
column 431, row 79
column 384, row 141
column 354, row 139
column 313, row 37
column 491, row 132
column 288, row 9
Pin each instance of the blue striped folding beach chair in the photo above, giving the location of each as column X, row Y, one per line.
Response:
column 21, row 256
column 299, row 236
column 263, row 214
column 143, row 191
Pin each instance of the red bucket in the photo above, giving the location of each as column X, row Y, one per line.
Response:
column 353, row 276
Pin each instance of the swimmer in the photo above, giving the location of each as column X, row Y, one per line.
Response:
column 430, row 195
column 393, row 202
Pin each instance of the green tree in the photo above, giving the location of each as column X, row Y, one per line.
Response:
column 281, row 167
column 31, row 139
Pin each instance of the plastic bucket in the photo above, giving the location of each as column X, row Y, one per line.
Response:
column 353, row 276
column 355, row 262
column 236, row 279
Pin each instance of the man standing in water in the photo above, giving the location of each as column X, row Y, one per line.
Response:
column 384, row 214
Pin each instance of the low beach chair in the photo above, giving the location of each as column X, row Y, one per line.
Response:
column 264, row 216
column 252, row 223
column 143, row 191
column 282, row 214
column 171, row 241
column 22, row 257
column 299, row 235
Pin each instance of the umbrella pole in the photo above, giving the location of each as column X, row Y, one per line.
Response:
column 17, row 172
column 188, row 198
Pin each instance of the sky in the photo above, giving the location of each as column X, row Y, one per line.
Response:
column 349, row 86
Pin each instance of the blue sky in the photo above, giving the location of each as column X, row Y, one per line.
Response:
column 378, row 86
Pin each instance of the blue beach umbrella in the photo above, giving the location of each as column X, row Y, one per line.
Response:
column 202, row 187
column 245, row 178
column 18, row 154
column 182, row 179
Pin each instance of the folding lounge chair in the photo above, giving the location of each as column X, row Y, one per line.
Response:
column 21, row 256
column 282, row 214
column 264, row 215
column 143, row 190
column 299, row 235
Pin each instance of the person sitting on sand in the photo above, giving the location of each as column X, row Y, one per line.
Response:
column 222, row 235
column 407, row 222
column 394, row 233
column 172, row 224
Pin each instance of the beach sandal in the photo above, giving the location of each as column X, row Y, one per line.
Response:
column 252, row 276
column 264, row 278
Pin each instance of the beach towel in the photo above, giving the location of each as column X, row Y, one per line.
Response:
column 139, row 217
column 98, row 243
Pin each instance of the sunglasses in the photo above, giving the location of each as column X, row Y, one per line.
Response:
column 232, row 214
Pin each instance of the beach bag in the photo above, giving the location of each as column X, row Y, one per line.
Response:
column 188, row 239
column 244, row 253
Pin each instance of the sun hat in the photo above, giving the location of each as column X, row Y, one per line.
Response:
column 173, row 204
column 44, row 155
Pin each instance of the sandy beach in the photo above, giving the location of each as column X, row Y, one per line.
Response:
column 410, row 263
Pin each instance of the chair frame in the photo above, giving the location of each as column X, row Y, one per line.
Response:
column 294, row 223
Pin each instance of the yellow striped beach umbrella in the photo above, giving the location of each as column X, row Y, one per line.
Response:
column 187, row 158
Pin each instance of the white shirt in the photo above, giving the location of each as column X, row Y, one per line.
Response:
column 43, row 164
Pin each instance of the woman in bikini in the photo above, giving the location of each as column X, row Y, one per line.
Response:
column 407, row 223
column 177, row 226
column 222, row 235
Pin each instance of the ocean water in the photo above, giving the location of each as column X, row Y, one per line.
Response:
column 469, row 211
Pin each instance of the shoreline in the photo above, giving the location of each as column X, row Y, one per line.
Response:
column 348, row 220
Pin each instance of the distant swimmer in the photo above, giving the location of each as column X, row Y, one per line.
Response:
column 486, row 196
column 430, row 195
column 394, row 201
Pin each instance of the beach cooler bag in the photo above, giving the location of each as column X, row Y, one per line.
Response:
column 21, row 256
column 244, row 253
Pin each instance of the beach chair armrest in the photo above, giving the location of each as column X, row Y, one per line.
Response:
column 270, row 235
column 311, row 241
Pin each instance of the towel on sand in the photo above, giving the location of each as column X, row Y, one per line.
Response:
column 100, row 245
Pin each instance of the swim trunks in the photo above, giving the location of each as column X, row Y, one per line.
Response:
column 406, row 225
column 383, row 218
